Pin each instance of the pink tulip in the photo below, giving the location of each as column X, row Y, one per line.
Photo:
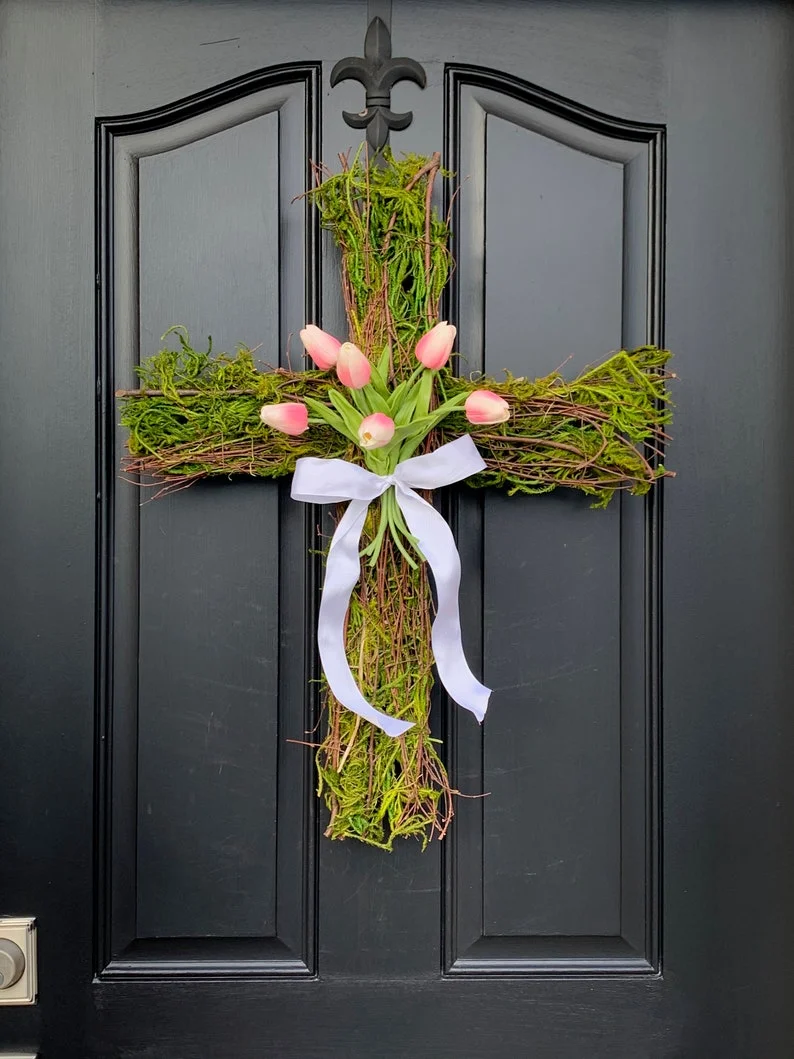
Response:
column 433, row 349
column 485, row 406
column 375, row 431
column 352, row 366
column 321, row 347
column 291, row 417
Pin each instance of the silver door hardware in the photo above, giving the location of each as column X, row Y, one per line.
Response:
column 17, row 961
column 12, row 963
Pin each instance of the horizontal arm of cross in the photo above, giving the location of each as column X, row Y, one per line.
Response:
column 196, row 416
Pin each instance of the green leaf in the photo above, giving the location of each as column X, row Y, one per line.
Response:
column 384, row 362
column 333, row 420
column 351, row 417
column 449, row 406
column 401, row 433
column 396, row 398
column 425, row 390
column 407, row 409
column 360, row 401
column 380, row 373
column 377, row 402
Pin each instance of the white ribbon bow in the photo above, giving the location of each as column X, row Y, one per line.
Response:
column 319, row 481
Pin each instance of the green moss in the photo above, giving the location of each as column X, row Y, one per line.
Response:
column 395, row 256
column 599, row 433
column 198, row 415
column 378, row 788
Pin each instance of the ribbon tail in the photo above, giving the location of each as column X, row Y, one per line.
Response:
column 437, row 544
column 342, row 571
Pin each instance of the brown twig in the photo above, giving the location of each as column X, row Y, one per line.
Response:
column 435, row 164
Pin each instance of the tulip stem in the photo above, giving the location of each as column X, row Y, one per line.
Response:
column 406, row 555
column 400, row 530
column 391, row 520
column 374, row 547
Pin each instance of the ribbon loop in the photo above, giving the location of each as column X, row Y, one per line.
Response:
column 318, row 481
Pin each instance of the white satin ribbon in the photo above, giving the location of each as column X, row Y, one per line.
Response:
column 319, row 481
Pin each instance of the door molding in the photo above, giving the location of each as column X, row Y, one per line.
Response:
column 291, row 92
column 473, row 97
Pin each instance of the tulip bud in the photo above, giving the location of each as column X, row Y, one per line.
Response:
column 321, row 347
column 352, row 366
column 375, row 431
column 433, row 349
column 291, row 417
column 485, row 406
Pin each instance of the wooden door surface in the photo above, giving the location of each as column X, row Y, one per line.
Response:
column 624, row 889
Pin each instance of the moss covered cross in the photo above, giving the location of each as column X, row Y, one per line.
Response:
column 198, row 414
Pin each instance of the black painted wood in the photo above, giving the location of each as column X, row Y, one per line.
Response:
column 580, row 861
column 190, row 689
column 208, row 663
column 670, row 813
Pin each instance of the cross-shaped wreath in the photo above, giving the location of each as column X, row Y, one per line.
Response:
column 383, row 420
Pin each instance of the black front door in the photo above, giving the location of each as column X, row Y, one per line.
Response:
column 623, row 890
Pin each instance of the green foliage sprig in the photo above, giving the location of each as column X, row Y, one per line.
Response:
column 197, row 415
column 394, row 247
